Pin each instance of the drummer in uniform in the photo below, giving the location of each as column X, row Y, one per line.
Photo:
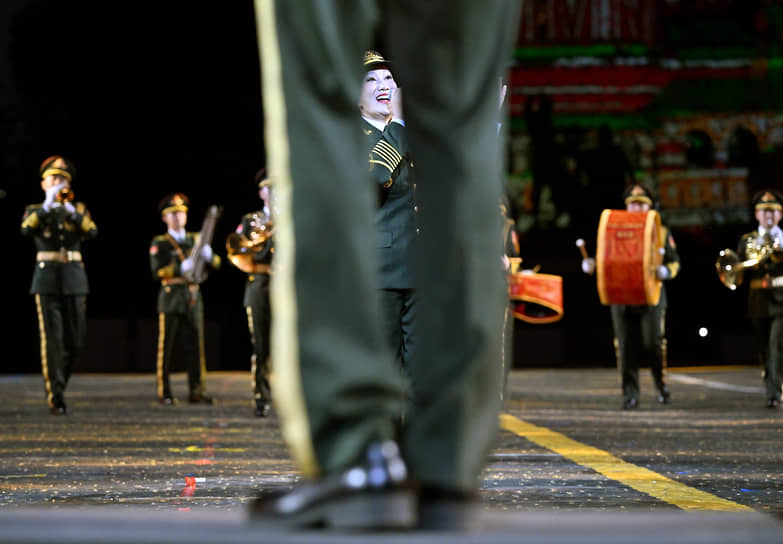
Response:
column 58, row 227
column 639, row 331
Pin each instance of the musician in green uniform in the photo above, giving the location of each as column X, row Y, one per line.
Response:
column 180, row 305
column 338, row 388
column 251, row 248
column 640, row 331
column 391, row 173
column 765, row 288
column 58, row 227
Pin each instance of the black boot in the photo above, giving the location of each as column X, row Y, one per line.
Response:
column 58, row 407
column 202, row 398
column 664, row 397
column 263, row 407
column 372, row 495
column 631, row 403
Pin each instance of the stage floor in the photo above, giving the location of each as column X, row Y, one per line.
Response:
column 568, row 464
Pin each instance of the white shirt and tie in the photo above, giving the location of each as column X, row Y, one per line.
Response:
column 775, row 232
column 179, row 236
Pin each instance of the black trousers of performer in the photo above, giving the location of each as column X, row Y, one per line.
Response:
column 768, row 338
column 188, row 329
column 399, row 312
column 258, row 323
column 639, row 336
column 62, row 324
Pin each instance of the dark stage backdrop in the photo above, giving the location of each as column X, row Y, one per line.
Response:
column 146, row 98
column 153, row 97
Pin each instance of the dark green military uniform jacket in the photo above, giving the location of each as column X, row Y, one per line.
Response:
column 166, row 256
column 765, row 293
column 395, row 218
column 58, row 237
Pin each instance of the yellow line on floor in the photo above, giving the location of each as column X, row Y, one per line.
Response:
column 638, row 478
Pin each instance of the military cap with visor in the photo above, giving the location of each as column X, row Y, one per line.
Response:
column 261, row 178
column 374, row 60
column 638, row 193
column 57, row 165
column 175, row 202
column 768, row 200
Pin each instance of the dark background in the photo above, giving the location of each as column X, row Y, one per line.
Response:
column 146, row 98
column 152, row 97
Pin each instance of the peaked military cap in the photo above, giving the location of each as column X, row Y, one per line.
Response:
column 261, row 178
column 768, row 199
column 57, row 165
column 638, row 193
column 175, row 202
column 374, row 60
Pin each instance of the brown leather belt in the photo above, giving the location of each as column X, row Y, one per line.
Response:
column 261, row 268
column 61, row 256
column 174, row 281
column 766, row 282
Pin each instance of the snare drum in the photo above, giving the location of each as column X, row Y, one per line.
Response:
column 536, row 298
column 628, row 253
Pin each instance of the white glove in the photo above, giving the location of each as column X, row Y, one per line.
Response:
column 69, row 208
column 662, row 273
column 51, row 195
column 588, row 265
column 206, row 252
column 186, row 266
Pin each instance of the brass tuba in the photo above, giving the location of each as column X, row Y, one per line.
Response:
column 242, row 249
column 731, row 268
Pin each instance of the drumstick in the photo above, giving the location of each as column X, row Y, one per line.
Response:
column 581, row 245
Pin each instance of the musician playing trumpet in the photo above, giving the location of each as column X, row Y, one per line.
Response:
column 58, row 227
column 765, row 292
column 180, row 305
column 250, row 248
column 639, row 331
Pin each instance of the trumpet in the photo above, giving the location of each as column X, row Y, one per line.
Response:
column 730, row 267
column 65, row 195
column 243, row 250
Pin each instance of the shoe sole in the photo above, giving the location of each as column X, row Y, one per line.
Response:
column 449, row 516
column 396, row 510
column 388, row 511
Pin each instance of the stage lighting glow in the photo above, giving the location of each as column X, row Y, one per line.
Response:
column 703, row 332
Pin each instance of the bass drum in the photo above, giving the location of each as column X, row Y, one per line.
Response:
column 628, row 252
column 536, row 298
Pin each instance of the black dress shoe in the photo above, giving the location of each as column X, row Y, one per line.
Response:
column 447, row 510
column 773, row 403
column 631, row 404
column 262, row 408
column 196, row 398
column 372, row 495
column 58, row 408
column 664, row 396
column 167, row 401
